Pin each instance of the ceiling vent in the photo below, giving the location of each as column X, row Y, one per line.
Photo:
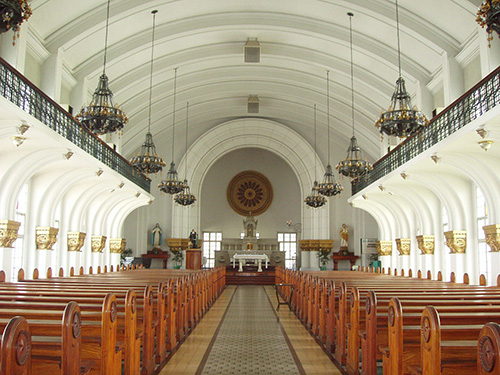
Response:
column 252, row 51
column 253, row 104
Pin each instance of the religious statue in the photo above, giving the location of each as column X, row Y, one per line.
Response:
column 344, row 237
column 193, row 237
column 156, row 235
column 250, row 226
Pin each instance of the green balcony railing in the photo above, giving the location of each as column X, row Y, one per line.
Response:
column 473, row 104
column 20, row 91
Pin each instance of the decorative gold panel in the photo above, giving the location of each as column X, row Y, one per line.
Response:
column 315, row 245
column 403, row 245
column 8, row 232
column 178, row 244
column 117, row 245
column 384, row 247
column 426, row 244
column 46, row 237
column 76, row 240
column 250, row 193
column 492, row 235
column 97, row 243
column 456, row 240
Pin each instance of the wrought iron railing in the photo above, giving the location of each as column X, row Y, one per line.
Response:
column 473, row 104
column 20, row 91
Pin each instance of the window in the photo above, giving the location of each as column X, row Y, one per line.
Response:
column 17, row 254
column 482, row 216
column 211, row 243
column 288, row 243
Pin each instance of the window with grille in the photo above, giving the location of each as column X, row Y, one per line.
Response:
column 484, row 255
column 211, row 242
column 288, row 243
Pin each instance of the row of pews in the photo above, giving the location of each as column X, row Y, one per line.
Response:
column 112, row 323
column 369, row 321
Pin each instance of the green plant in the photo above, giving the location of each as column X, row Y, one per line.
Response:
column 126, row 253
column 178, row 257
column 324, row 256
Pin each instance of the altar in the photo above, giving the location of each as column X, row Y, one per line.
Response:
column 241, row 258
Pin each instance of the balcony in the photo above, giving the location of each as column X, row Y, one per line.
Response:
column 24, row 94
column 473, row 104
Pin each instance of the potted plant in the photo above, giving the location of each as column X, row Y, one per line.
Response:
column 126, row 258
column 178, row 258
column 324, row 257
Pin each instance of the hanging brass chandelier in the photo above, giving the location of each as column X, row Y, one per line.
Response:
column 185, row 198
column 148, row 161
column 488, row 15
column 172, row 185
column 102, row 116
column 401, row 119
column 315, row 200
column 353, row 165
column 329, row 187
column 12, row 14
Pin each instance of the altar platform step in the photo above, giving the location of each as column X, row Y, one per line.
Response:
column 250, row 276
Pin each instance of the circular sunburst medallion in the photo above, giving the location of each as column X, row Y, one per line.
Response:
column 250, row 193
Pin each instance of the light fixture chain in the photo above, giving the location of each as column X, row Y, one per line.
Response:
column 173, row 115
column 186, row 157
column 399, row 41
column 328, row 110
column 352, row 72
column 106, row 39
column 315, row 143
column 151, row 75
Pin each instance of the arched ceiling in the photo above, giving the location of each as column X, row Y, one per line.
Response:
column 300, row 40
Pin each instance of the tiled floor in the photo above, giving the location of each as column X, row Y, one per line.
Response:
column 187, row 359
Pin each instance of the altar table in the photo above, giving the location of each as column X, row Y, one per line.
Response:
column 241, row 257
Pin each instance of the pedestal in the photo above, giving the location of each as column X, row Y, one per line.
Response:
column 163, row 256
column 193, row 259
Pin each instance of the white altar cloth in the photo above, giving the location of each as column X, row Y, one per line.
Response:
column 258, row 257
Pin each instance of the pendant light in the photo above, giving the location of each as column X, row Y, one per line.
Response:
column 329, row 187
column 315, row 200
column 171, row 185
column 353, row 165
column 12, row 14
column 185, row 198
column 401, row 119
column 148, row 161
column 488, row 15
column 102, row 116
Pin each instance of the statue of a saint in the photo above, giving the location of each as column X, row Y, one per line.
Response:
column 344, row 236
column 193, row 237
column 156, row 235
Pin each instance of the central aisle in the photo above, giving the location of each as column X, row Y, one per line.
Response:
column 250, row 340
column 241, row 334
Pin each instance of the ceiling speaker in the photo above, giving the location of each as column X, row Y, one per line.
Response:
column 252, row 51
column 253, row 104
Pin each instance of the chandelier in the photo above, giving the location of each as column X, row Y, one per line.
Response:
column 148, row 161
column 315, row 199
column 488, row 15
column 12, row 15
column 102, row 116
column 172, row 185
column 329, row 187
column 353, row 165
column 401, row 119
column 185, row 198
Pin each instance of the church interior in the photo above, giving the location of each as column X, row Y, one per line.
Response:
column 258, row 187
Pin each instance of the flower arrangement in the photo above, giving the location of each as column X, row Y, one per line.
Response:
column 324, row 256
column 178, row 257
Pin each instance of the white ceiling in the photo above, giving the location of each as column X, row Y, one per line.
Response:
column 300, row 40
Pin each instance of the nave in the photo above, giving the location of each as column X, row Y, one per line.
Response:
column 244, row 334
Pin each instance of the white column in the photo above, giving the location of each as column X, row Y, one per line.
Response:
column 52, row 75
column 15, row 55
column 453, row 79
column 489, row 56
column 313, row 260
column 305, row 260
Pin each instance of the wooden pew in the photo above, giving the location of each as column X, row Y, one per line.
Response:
column 15, row 354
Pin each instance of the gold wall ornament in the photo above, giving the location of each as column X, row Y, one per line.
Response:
column 435, row 158
column 316, row 245
column 46, row 237
column 492, row 235
column 8, row 232
column 97, row 243
column 117, row 245
column 456, row 240
column 426, row 244
column 249, row 193
column 384, row 247
column 403, row 245
column 76, row 240
column 178, row 244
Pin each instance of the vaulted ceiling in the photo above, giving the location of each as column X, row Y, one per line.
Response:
column 300, row 40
